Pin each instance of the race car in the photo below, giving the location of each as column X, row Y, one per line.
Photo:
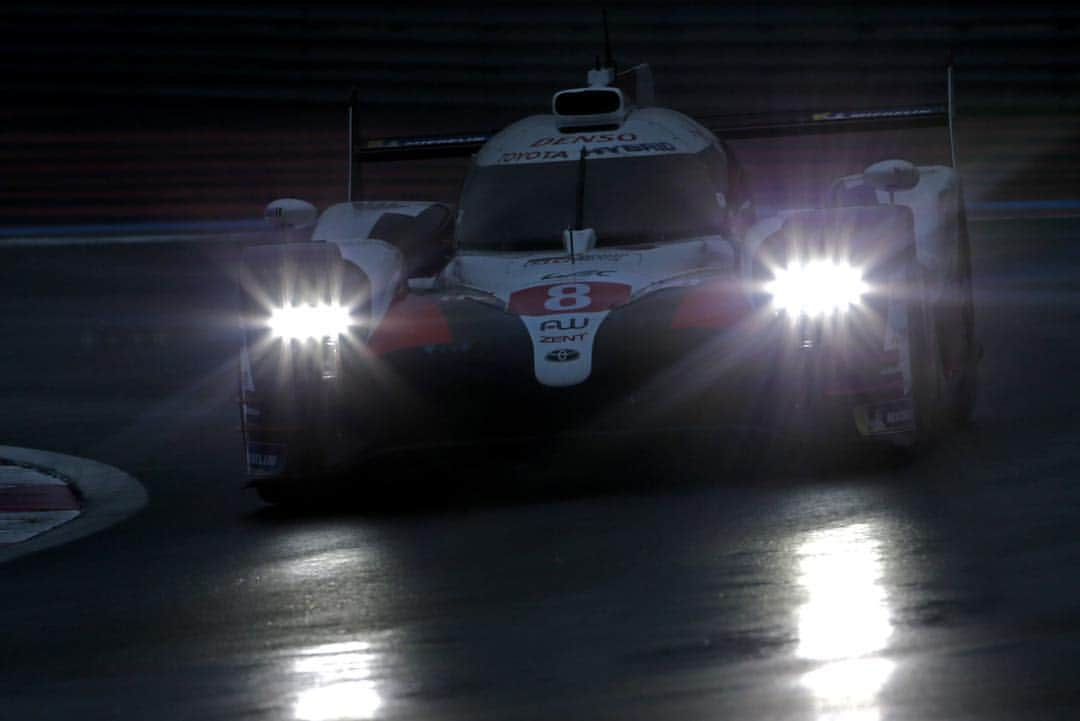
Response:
column 605, row 271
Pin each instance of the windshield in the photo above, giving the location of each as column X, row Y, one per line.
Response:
column 627, row 200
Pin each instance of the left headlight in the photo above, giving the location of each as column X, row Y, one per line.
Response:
column 816, row 288
column 299, row 322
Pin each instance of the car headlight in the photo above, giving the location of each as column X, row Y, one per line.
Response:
column 299, row 322
column 816, row 288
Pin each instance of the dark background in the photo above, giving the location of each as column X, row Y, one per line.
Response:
column 125, row 112
column 513, row 591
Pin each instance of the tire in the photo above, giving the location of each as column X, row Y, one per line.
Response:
column 927, row 378
column 301, row 415
column 965, row 388
column 879, row 240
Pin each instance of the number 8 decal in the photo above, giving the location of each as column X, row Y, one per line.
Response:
column 569, row 296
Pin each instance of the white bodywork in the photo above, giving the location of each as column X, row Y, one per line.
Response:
column 566, row 316
column 349, row 226
column 556, row 295
column 647, row 131
column 568, row 218
column 563, row 311
column 935, row 202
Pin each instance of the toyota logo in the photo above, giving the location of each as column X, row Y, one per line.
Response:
column 562, row 355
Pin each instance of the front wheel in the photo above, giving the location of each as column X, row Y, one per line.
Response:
column 292, row 415
column 927, row 380
column 900, row 400
column 292, row 378
column 965, row 383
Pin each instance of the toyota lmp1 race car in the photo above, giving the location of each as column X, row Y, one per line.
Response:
column 605, row 272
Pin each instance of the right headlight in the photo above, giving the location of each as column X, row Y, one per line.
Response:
column 816, row 288
column 298, row 322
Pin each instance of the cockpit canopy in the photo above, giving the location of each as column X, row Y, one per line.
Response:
column 657, row 177
column 626, row 201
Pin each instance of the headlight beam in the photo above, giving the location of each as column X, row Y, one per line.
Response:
column 300, row 322
column 816, row 288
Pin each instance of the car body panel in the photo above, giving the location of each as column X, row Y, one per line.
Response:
column 500, row 340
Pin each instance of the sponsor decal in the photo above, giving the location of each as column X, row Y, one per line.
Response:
column 578, row 274
column 574, row 139
column 638, row 148
column 602, row 150
column 382, row 204
column 564, row 324
column 889, row 417
column 425, row 142
column 562, row 344
column 534, row 155
column 568, row 298
column 575, row 338
column 562, row 355
column 265, row 457
column 564, row 259
column 878, row 114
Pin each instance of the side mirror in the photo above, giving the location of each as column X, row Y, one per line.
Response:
column 891, row 176
column 291, row 213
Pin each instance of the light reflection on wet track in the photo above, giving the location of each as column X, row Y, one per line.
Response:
column 935, row 591
column 845, row 621
column 339, row 675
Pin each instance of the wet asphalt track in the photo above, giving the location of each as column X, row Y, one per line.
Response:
column 943, row 590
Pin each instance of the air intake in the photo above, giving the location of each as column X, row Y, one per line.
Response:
column 589, row 107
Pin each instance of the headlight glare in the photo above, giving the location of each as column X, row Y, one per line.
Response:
column 816, row 288
column 299, row 322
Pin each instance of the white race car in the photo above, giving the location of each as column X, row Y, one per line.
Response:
column 605, row 270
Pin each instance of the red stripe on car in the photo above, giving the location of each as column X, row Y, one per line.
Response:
column 718, row 304
column 413, row 322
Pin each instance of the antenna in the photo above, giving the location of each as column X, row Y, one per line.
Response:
column 570, row 235
column 951, row 115
column 579, row 210
column 609, row 59
column 349, row 141
column 603, row 76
